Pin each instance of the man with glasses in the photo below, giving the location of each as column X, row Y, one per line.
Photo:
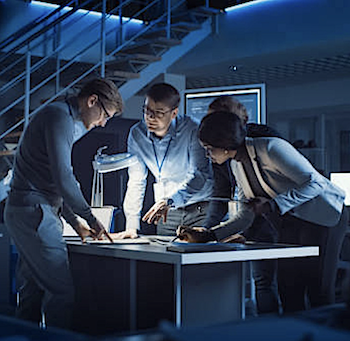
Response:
column 166, row 144
column 43, row 187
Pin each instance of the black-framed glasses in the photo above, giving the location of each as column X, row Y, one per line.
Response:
column 106, row 115
column 155, row 113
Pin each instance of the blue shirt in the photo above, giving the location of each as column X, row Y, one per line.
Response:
column 178, row 163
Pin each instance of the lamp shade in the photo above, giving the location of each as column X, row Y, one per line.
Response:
column 104, row 163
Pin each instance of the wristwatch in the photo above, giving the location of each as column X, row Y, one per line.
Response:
column 169, row 202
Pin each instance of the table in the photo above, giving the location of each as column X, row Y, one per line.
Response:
column 134, row 287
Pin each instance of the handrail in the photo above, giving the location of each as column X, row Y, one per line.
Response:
column 32, row 25
column 42, row 31
column 41, row 62
column 76, row 57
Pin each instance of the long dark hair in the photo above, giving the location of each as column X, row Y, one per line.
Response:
column 222, row 129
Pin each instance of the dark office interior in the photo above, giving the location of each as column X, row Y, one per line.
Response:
column 296, row 53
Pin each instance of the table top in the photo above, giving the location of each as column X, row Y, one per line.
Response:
column 156, row 252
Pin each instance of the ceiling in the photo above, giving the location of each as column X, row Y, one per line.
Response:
column 276, row 42
column 218, row 4
column 281, row 73
column 315, row 44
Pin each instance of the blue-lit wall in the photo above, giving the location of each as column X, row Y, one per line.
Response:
column 79, row 31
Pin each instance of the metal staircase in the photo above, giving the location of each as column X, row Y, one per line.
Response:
column 55, row 53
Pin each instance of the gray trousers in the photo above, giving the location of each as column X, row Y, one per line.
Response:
column 43, row 278
column 191, row 215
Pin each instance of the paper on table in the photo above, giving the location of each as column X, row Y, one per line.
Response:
column 120, row 241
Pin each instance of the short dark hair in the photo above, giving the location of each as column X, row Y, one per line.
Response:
column 222, row 129
column 106, row 90
column 165, row 93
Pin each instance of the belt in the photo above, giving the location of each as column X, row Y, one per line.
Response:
column 194, row 205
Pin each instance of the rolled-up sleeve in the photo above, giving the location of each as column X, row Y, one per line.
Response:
column 201, row 174
column 133, row 200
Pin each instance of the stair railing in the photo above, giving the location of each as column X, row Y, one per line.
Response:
column 101, row 63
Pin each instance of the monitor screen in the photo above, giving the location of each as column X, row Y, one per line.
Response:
column 342, row 180
column 251, row 96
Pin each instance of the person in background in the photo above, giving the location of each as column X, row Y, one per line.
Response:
column 43, row 187
column 261, row 230
column 280, row 184
column 166, row 144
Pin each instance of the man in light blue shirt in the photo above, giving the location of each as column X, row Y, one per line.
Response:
column 166, row 144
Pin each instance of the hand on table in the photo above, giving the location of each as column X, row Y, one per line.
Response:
column 99, row 231
column 195, row 234
column 84, row 231
column 156, row 212
column 235, row 238
column 124, row 235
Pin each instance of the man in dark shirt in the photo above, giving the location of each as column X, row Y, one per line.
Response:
column 43, row 187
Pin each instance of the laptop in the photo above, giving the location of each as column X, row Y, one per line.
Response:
column 103, row 214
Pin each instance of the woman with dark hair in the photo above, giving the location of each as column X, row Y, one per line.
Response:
column 276, row 181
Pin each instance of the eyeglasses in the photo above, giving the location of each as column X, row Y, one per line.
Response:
column 155, row 113
column 105, row 112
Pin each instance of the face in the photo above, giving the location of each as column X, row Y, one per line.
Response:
column 94, row 112
column 218, row 155
column 158, row 116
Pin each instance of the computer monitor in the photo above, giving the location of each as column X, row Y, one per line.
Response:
column 252, row 96
column 342, row 180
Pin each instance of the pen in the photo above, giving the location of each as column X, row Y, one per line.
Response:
column 108, row 236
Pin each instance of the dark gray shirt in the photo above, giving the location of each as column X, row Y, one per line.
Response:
column 43, row 166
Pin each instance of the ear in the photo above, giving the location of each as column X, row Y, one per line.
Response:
column 174, row 113
column 92, row 100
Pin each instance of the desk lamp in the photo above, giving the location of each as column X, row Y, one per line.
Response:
column 104, row 163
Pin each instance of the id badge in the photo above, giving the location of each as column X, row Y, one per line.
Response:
column 232, row 209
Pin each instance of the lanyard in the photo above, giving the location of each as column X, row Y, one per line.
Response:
column 160, row 166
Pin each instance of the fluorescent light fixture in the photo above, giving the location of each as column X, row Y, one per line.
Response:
column 83, row 11
column 246, row 4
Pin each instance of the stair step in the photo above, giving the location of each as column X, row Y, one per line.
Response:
column 132, row 62
column 133, row 58
column 118, row 74
column 205, row 11
column 7, row 152
column 12, row 137
column 146, row 46
column 175, row 29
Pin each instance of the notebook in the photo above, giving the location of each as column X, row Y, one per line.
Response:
column 204, row 247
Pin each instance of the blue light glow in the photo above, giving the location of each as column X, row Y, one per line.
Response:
column 82, row 11
column 246, row 4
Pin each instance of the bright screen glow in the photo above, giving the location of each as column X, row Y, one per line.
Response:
column 342, row 180
column 251, row 96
